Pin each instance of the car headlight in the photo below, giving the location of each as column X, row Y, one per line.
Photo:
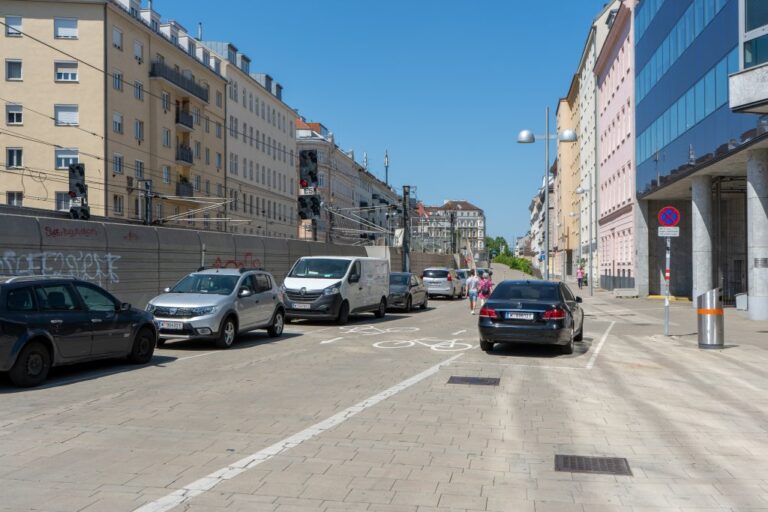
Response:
column 332, row 290
column 283, row 288
column 150, row 308
column 204, row 310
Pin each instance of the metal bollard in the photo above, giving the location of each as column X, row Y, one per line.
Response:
column 709, row 307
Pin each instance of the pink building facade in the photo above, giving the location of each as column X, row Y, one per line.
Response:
column 614, row 71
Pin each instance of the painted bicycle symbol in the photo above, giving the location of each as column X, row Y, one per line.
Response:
column 435, row 344
column 372, row 330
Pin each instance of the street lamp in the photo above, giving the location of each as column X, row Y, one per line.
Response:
column 590, row 277
column 527, row 137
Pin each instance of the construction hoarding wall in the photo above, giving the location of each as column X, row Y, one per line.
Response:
column 136, row 262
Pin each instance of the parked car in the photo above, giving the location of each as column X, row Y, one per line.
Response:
column 463, row 275
column 406, row 290
column 333, row 287
column 481, row 270
column 542, row 312
column 46, row 322
column 218, row 304
column 442, row 282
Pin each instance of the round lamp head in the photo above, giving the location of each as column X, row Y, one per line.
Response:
column 580, row 190
column 526, row 137
column 568, row 136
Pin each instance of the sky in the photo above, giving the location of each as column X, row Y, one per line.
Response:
column 444, row 86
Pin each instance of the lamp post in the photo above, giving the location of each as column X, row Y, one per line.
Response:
column 591, row 277
column 527, row 137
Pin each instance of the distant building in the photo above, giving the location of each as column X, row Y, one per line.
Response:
column 453, row 226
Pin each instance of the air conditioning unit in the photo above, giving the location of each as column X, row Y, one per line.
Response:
column 129, row 183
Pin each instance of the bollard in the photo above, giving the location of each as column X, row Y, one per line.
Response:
column 709, row 308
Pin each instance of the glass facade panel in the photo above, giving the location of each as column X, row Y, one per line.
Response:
column 756, row 14
column 709, row 92
column 699, row 95
column 721, row 82
column 756, row 51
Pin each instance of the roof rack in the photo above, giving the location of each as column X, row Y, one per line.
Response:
column 242, row 270
column 14, row 279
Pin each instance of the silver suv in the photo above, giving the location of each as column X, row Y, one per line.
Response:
column 217, row 304
column 442, row 281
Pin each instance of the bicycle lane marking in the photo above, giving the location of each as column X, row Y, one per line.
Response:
column 206, row 483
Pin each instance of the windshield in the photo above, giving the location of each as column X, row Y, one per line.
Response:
column 319, row 268
column 398, row 279
column 438, row 274
column 511, row 291
column 206, row 283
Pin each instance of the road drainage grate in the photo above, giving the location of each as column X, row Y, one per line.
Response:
column 582, row 464
column 474, row 381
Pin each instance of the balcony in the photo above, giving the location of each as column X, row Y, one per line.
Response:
column 161, row 70
column 185, row 189
column 184, row 120
column 747, row 90
column 183, row 155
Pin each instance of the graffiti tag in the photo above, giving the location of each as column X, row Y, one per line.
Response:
column 96, row 267
column 248, row 261
column 70, row 232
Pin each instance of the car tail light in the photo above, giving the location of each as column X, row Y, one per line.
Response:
column 554, row 314
column 488, row 312
column 450, row 278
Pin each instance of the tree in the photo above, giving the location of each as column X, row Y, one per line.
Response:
column 498, row 245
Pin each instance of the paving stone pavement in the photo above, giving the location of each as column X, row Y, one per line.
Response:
column 693, row 424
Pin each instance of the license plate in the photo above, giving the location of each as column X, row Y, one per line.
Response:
column 300, row 306
column 173, row 326
column 519, row 316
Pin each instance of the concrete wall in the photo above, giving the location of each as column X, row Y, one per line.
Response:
column 136, row 262
column 681, row 281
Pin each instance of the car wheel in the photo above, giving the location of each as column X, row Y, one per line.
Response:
column 227, row 333
column 32, row 366
column 486, row 346
column 409, row 304
column 580, row 336
column 278, row 322
column 143, row 346
column 382, row 309
column 343, row 316
column 425, row 303
column 160, row 342
column 568, row 349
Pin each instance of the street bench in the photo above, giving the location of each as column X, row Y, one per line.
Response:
column 625, row 293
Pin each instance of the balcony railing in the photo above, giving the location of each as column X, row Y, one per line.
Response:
column 185, row 189
column 184, row 154
column 184, row 118
column 161, row 70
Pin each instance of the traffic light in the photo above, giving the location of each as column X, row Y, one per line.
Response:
column 77, row 186
column 314, row 206
column 304, row 208
column 308, row 168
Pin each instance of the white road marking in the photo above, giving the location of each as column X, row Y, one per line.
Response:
column 458, row 332
column 592, row 359
column 208, row 482
column 331, row 341
column 197, row 355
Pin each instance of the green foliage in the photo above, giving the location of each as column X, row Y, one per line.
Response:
column 496, row 244
column 520, row 264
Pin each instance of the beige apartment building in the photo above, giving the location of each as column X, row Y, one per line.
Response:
column 131, row 97
column 262, row 173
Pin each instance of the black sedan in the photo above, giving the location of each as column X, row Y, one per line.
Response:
column 540, row 312
column 406, row 291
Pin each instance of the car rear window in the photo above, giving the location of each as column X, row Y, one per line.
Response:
column 514, row 291
column 436, row 273
column 20, row 299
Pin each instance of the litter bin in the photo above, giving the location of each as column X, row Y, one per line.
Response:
column 709, row 308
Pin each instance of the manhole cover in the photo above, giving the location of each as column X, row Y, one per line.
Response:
column 474, row 381
column 582, row 464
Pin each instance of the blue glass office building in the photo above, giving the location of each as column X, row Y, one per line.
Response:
column 685, row 51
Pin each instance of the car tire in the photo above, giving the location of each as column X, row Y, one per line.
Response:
column 227, row 333
column 343, row 317
column 278, row 323
column 425, row 304
column 409, row 304
column 32, row 365
column 568, row 348
column 382, row 311
column 580, row 336
column 143, row 346
column 486, row 346
column 160, row 342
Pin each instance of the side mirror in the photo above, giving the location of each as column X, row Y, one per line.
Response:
column 354, row 278
column 125, row 306
column 166, row 290
column 578, row 299
column 244, row 292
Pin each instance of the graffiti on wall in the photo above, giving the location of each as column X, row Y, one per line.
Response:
column 97, row 267
column 248, row 261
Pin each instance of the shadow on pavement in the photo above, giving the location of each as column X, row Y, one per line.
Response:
column 543, row 351
column 245, row 340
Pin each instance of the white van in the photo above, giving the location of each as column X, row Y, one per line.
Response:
column 333, row 287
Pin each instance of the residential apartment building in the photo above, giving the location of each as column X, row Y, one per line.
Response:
column 567, row 210
column 615, row 82
column 455, row 225
column 132, row 98
column 262, row 167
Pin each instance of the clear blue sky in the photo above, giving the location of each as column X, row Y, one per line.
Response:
column 444, row 85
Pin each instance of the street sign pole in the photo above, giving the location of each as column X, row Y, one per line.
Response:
column 669, row 218
column 666, row 280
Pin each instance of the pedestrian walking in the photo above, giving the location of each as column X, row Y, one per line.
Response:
column 580, row 276
column 472, row 284
column 484, row 289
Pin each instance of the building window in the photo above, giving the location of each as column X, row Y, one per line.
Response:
column 138, row 51
column 66, row 157
column 13, row 26
column 207, row 187
column 65, row 28
column 117, row 163
column 117, row 38
column 197, row 183
column 139, row 169
column 65, row 71
column 207, row 156
column 138, row 90
column 197, row 149
column 166, row 98
column 117, row 80
column 14, row 198
column 207, row 124
column 219, row 99
column 14, row 114
column 62, row 201
column 66, row 115
column 117, row 122
column 166, row 174
column 166, row 137
column 218, row 130
column 196, row 116
column 218, row 160
column 13, row 70
column 14, row 158
column 117, row 204
column 138, row 130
